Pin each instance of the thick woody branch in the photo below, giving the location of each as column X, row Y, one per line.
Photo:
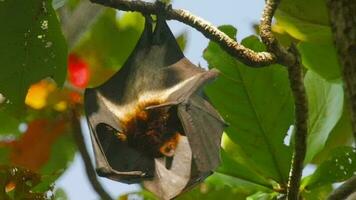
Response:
column 79, row 139
column 291, row 59
column 342, row 15
column 245, row 55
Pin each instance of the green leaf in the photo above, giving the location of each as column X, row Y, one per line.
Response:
column 60, row 194
column 313, row 11
column 340, row 167
column 182, row 40
column 219, row 185
column 110, row 41
column 321, row 58
column 262, row 196
column 11, row 127
column 58, row 3
column 341, row 135
column 258, row 105
column 304, row 20
column 32, row 47
column 325, row 109
column 319, row 193
column 231, row 164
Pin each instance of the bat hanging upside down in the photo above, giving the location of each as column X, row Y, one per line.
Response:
column 150, row 122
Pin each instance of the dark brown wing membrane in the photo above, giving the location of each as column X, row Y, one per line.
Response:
column 204, row 127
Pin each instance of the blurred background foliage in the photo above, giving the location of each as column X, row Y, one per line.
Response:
column 41, row 82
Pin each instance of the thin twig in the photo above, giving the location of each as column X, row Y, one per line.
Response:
column 291, row 59
column 344, row 190
column 79, row 139
column 245, row 55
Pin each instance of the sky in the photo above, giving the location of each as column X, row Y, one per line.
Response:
column 239, row 13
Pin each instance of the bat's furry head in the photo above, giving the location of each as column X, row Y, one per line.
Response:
column 154, row 132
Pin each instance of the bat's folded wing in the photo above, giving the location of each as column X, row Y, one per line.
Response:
column 204, row 127
column 114, row 159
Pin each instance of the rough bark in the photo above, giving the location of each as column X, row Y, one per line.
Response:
column 343, row 22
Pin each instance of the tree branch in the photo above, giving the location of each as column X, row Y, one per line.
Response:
column 296, row 78
column 283, row 56
column 343, row 23
column 291, row 59
column 245, row 55
column 79, row 139
column 342, row 15
column 344, row 190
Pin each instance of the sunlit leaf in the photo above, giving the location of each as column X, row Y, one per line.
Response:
column 340, row 167
column 60, row 194
column 325, row 102
column 219, row 185
column 321, row 58
column 319, row 193
column 182, row 40
column 341, row 135
column 111, row 40
column 58, row 3
column 258, row 105
column 32, row 47
column 262, row 196
column 304, row 20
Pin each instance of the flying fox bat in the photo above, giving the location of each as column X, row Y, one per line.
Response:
column 150, row 121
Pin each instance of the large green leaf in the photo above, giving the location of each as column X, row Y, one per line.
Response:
column 258, row 105
column 340, row 167
column 305, row 20
column 321, row 58
column 325, row 109
column 110, row 41
column 32, row 47
column 219, row 185
column 319, row 193
column 58, row 3
column 341, row 135
column 11, row 127
column 313, row 11
column 262, row 196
